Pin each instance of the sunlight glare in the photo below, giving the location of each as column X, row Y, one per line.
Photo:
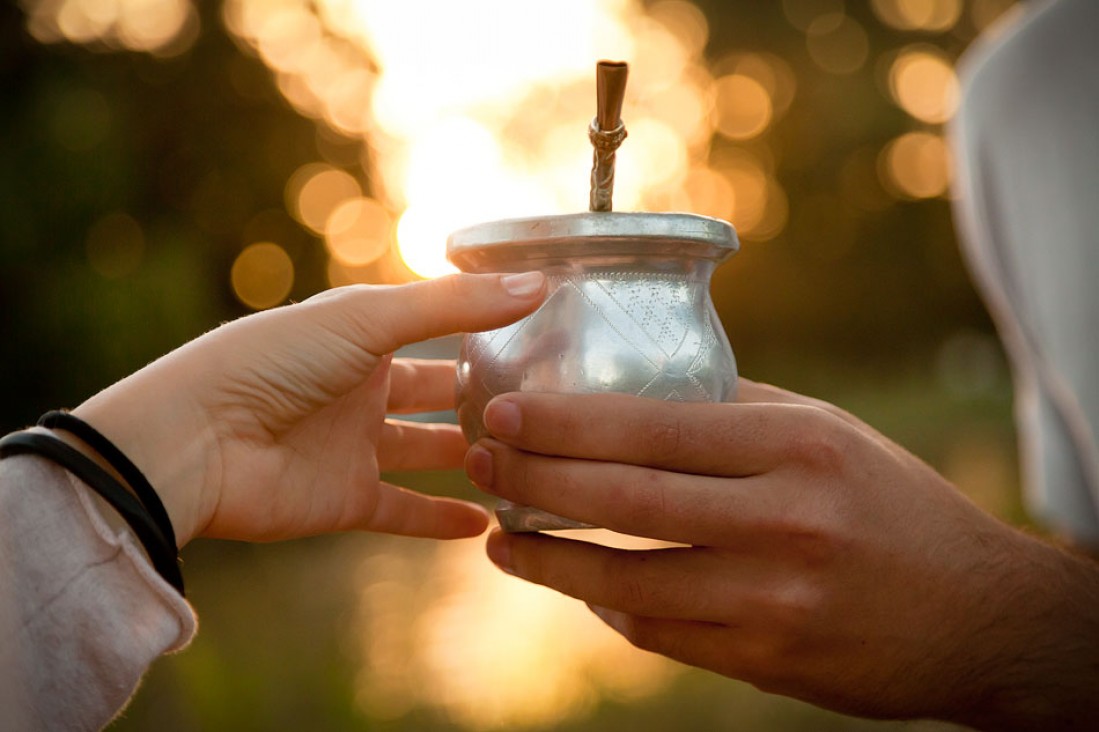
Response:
column 477, row 111
column 493, row 652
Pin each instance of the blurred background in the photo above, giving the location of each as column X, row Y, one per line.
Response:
column 169, row 164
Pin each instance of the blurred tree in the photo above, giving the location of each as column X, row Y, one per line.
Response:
column 190, row 152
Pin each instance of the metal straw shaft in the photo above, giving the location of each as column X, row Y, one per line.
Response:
column 606, row 131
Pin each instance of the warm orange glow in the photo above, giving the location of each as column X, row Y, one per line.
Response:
column 314, row 191
column 772, row 73
column 461, row 132
column 742, row 108
column 493, row 652
column 916, row 165
column 920, row 15
column 709, row 193
column 162, row 27
column 359, row 231
column 262, row 275
column 923, row 83
column 759, row 208
column 802, row 13
column 837, row 43
column 684, row 20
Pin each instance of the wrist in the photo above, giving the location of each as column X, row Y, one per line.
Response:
column 1039, row 647
column 108, row 513
column 164, row 440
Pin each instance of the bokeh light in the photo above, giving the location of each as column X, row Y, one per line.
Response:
column 935, row 16
column 802, row 13
column 743, row 107
column 490, row 651
column 449, row 129
column 315, row 190
column 262, row 275
column 837, row 43
column 916, row 165
column 358, row 231
column 160, row 27
column 922, row 81
column 447, row 133
column 771, row 71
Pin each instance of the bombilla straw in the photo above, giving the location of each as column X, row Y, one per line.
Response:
column 606, row 131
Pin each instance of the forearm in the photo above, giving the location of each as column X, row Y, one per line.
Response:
column 162, row 432
column 1041, row 654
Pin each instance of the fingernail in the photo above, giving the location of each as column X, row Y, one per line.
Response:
column 524, row 285
column 502, row 418
column 498, row 549
column 479, row 466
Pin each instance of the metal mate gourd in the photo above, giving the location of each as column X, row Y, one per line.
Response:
column 628, row 307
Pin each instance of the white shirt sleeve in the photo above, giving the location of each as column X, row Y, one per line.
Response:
column 82, row 611
column 1026, row 144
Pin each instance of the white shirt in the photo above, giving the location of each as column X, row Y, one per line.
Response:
column 1026, row 145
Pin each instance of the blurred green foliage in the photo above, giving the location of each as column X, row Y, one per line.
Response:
column 173, row 143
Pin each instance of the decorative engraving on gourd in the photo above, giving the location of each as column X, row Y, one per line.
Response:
column 654, row 315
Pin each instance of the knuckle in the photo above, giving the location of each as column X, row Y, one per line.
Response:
column 810, row 539
column 798, row 612
column 823, row 443
column 813, row 549
column 644, row 500
column 630, row 582
column 629, row 593
column 661, row 439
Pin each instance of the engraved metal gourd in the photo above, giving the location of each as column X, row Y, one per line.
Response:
column 628, row 308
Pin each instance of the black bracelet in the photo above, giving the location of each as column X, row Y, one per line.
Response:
column 58, row 419
column 162, row 554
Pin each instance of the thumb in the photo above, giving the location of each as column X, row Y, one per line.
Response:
column 381, row 319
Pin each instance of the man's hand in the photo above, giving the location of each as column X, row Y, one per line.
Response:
column 818, row 560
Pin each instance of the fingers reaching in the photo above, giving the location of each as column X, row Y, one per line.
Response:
column 419, row 446
column 420, row 385
column 407, row 513
column 380, row 320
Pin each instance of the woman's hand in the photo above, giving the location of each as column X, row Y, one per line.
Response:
column 818, row 560
column 273, row 426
